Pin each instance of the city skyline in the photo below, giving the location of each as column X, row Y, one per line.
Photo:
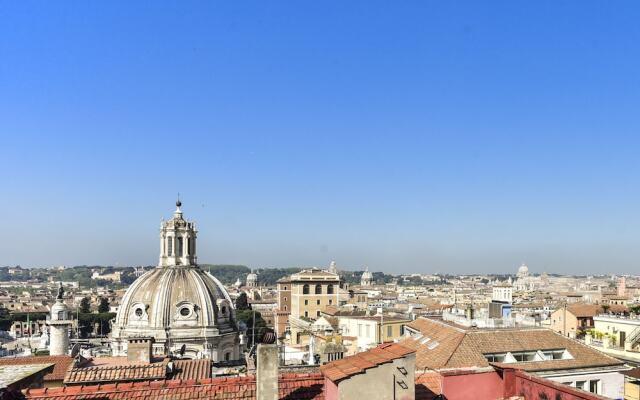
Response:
column 451, row 138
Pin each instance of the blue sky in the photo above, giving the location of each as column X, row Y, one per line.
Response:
column 414, row 136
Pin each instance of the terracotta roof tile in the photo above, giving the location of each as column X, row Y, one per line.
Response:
column 463, row 348
column 115, row 373
column 358, row 363
column 291, row 387
column 192, row 369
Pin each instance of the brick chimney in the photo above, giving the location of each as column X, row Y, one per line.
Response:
column 140, row 349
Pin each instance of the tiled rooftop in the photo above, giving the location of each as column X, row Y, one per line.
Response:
column 10, row 374
column 62, row 364
column 116, row 373
column 358, row 363
column 446, row 346
column 191, row 369
column 292, row 387
column 118, row 369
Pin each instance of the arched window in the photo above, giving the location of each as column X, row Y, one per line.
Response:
column 318, row 289
column 227, row 356
column 330, row 289
column 169, row 246
column 224, row 310
column 180, row 246
column 305, row 289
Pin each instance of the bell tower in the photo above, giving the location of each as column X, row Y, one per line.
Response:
column 177, row 240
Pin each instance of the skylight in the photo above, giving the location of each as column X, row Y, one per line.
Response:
column 529, row 356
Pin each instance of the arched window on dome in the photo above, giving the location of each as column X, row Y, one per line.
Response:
column 223, row 310
column 318, row 289
column 330, row 289
column 170, row 246
column 305, row 289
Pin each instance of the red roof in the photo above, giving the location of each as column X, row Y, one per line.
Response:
column 62, row 364
column 358, row 363
column 291, row 387
column 120, row 371
column 191, row 369
column 116, row 373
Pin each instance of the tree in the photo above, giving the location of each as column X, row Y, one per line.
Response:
column 103, row 307
column 242, row 303
column 85, row 305
column 254, row 328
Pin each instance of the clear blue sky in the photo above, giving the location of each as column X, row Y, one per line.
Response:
column 405, row 136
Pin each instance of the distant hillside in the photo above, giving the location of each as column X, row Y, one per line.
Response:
column 228, row 274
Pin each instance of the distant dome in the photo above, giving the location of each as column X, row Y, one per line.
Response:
column 252, row 279
column 367, row 278
column 523, row 270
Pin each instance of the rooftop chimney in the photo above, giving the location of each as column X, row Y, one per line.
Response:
column 140, row 349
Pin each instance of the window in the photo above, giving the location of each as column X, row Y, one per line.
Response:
column 330, row 302
column 224, row 310
column 306, row 314
column 495, row 357
column 305, row 289
column 227, row 356
column 318, row 289
column 285, row 308
column 330, row 289
column 169, row 246
column 581, row 385
column 285, row 299
column 184, row 311
column 179, row 250
column 318, row 313
column 368, row 330
column 593, row 386
column 389, row 331
column 139, row 312
column 285, row 288
column 317, row 302
column 306, row 302
column 359, row 329
column 401, row 330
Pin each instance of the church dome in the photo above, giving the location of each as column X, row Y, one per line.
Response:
column 367, row 278
column 523, row 270
column 175, row 296
column 186, row 310
column 252, row 277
